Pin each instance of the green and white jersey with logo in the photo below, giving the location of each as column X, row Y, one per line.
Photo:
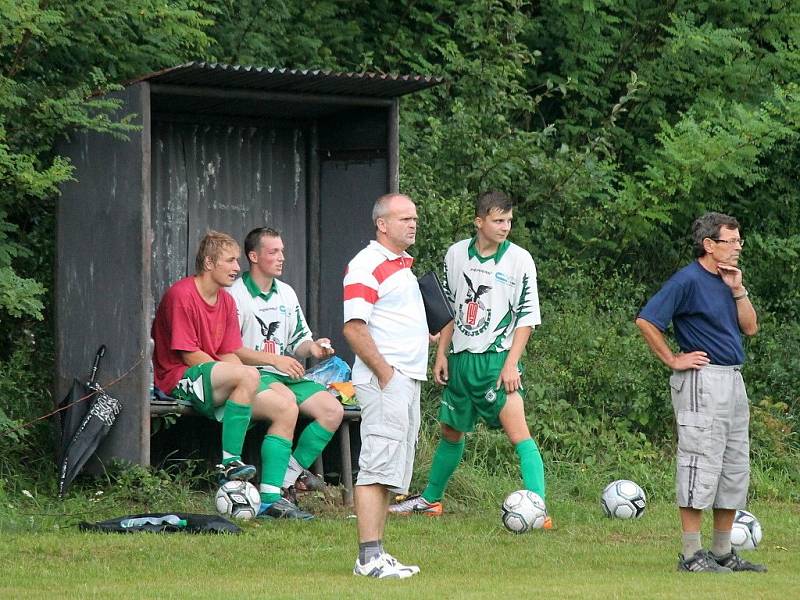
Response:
column 491, row 296
column 269, row 321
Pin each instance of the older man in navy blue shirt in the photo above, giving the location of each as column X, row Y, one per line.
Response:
column 709, row 308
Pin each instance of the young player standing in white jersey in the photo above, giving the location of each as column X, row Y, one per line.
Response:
column 492, row 285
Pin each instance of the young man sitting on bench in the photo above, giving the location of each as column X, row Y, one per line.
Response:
column 196, row 335
column 275, row 334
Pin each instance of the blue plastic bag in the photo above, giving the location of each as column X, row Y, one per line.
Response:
column 328, row 371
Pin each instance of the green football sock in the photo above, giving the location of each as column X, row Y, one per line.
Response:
column 235, row 420
column 275, row 451
column 530, row 463
column 445, row 461
column 311, row 444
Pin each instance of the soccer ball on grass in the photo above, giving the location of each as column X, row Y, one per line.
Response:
column 746, row 533
column 623, row 499
column 238, row 499
column 522, row 511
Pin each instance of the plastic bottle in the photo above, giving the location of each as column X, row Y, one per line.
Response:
column 174, row 520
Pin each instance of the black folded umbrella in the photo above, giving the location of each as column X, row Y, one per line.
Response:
column 88, row 415
column 73, row 408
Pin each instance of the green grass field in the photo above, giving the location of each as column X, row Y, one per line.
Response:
column 463, row 555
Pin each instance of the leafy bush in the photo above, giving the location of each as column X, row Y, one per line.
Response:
column 154, row 489
column 613, row 125
column 25, row 395
column 588, row 372
column 599, row 406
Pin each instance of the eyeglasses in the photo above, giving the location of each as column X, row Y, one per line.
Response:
column 732, row 242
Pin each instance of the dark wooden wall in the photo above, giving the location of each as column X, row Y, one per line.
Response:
column 103, row 273
column 354, row 172
column 128, row 228
column 231, row 178
column 349, row 190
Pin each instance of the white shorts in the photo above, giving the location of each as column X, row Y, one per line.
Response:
column 390, row 420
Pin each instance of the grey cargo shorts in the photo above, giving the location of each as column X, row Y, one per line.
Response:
column 712, row 413
column 390, row 421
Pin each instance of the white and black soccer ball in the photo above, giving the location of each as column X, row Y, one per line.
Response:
column 746, row 532
column 522, row 511
column 623, row 499
column 238, row 499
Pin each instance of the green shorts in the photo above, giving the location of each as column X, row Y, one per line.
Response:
column 470, row 392
column 196, row 390
column 302, row 389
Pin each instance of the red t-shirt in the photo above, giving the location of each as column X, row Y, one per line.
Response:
column 185, row 322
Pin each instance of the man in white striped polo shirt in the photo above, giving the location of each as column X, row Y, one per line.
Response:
column 384, row 324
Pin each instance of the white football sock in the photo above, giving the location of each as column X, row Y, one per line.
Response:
column 268, row 489
column 293, row 471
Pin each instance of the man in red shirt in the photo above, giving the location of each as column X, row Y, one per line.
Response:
column 196, row 335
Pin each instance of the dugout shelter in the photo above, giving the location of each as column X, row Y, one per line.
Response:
column 228, row 148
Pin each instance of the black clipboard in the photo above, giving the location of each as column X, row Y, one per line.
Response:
column 438, row 311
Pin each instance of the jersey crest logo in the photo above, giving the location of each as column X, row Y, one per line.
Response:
column 471, row 321
column 268, row 331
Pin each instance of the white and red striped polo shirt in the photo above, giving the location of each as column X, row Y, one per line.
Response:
column 381, row 290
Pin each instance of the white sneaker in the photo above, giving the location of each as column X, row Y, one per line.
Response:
column 417, row 505
column 384, row 566
column 413, row 568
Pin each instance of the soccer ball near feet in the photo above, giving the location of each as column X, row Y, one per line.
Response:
column 522, row 511
column 238, row 499
column 623, row 499
column 746, row 532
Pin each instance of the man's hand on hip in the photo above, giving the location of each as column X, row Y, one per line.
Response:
column 690, row 360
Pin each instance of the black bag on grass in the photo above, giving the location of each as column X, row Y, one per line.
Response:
column 194, row 524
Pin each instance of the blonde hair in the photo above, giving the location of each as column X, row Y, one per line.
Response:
column 212, row 245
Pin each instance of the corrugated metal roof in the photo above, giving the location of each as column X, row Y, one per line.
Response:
column 373, row 85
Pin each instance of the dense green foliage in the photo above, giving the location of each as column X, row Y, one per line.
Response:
column 54, row 58
column 614, row 123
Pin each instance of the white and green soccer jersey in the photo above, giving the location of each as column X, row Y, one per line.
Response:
column 269, row 321
column 491, row 296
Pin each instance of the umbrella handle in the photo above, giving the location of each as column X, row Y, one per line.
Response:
column 100, row 353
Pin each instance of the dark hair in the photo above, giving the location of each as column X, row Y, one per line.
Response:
column 211, row 246
column 489, row 201
column 253, row 239
column 708, row 226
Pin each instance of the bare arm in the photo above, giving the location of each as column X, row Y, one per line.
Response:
column 509, row 375
column 745, row 313
column 319, row 349
column 440, row 373
column 679, row 362
column 199, row 357
column 361, row 342
column 230, row 358
column 284, row 364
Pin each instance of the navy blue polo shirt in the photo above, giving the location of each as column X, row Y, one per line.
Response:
column 703, row 314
